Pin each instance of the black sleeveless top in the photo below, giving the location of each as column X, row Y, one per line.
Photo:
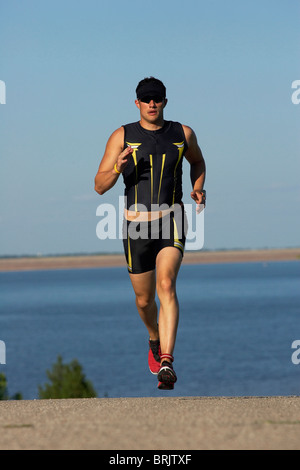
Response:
column 153, row 175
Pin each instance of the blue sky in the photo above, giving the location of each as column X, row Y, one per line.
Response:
column 71, row 68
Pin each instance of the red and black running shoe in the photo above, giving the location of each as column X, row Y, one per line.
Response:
column 166, row 376
column 154, row 356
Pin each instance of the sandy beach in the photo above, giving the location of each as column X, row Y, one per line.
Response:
column 110, row 260
column 191, row 423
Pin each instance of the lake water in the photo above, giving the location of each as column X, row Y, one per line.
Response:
column 237, row 326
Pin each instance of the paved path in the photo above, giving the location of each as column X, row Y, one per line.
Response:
column 191, row 423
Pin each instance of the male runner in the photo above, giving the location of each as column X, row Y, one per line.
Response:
column 149, row 154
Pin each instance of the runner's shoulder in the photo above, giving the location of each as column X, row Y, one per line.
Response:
column 190, row 135
column 117, row 137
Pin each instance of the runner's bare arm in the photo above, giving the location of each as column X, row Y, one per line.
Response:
column 114, row 158
column 195, row 158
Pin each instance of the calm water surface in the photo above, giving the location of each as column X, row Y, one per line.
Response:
column 237, row 325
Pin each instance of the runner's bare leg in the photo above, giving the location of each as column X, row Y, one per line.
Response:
column 168, row 262
column 144, row 288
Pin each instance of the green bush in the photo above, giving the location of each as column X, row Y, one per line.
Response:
column 3, row 387
column 4, row 392
column 67, row 381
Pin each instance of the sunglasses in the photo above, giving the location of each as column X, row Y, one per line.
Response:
column 155, row 98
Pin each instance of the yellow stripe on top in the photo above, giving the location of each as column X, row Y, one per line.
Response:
column 180, row 146
column 135, row 147
column 161, row 174
column 151, row 175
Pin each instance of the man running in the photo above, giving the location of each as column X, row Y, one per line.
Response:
column 149, row 155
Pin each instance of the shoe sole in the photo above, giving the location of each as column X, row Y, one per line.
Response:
column 166, row 378
column 164, row 386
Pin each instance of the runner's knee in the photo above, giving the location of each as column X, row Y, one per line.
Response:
column 144, row 301
column 166, row 286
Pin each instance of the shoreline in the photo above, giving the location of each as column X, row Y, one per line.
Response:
column 118, row 260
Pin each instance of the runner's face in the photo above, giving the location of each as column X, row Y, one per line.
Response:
column 151, row 112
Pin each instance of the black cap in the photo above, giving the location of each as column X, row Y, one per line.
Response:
column 150, row 89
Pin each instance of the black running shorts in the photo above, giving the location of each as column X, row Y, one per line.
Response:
column 143, row 240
